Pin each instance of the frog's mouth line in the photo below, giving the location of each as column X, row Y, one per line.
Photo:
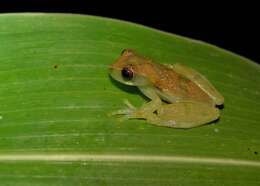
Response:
column 116, row 74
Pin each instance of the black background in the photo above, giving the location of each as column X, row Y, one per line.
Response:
column 233, row 26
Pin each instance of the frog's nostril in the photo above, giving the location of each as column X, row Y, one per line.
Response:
column 123, row 51
column 127, row 52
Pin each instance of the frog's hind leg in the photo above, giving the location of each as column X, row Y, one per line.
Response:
column 185, row 114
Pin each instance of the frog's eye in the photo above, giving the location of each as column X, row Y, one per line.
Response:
column 127, row 73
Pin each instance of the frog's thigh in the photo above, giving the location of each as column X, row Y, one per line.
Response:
column 186, row 114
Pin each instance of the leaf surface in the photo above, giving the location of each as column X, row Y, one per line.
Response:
column 56, row 93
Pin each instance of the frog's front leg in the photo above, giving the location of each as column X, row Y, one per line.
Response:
column 147, row 111
column 185, row 114
column 144, row 112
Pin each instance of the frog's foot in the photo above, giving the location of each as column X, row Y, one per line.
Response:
column 130, row 112
column 125, row 113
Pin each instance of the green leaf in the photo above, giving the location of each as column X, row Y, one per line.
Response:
column 56, row 94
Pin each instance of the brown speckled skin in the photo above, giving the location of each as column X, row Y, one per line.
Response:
column 162, row 77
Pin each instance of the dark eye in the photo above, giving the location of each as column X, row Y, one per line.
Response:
column 127, row 73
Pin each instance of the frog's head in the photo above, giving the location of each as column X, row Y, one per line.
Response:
column 128, row 69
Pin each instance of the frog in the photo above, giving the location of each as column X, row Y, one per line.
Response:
column 179, row 96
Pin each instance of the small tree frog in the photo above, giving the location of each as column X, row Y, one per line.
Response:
column 189, row 99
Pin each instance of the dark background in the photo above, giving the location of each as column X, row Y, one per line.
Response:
column 232, row 26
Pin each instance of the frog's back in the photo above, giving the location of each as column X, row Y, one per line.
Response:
column 173, row 86
column 201, row 81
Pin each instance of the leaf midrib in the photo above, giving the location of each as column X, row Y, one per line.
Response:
column 129, row 158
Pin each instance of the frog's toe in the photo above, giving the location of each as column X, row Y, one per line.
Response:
column 127, row 113
column 121, row 112
column 124, row 112
column 129, row 105
column 130, row 112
